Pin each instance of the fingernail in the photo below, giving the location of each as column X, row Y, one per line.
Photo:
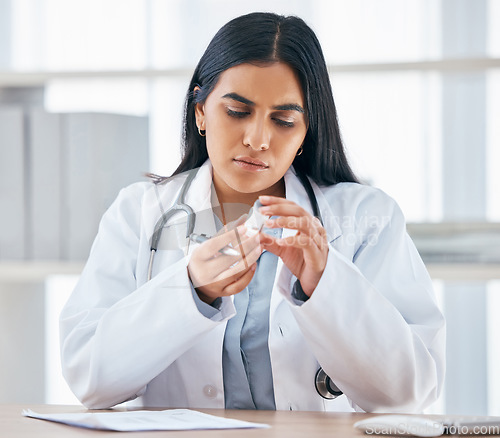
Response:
column 265, row 209
column 265, row 198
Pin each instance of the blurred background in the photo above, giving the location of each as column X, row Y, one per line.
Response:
column 91, row 98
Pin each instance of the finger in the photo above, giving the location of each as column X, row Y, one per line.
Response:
column 212, row 246
column 305, row 224
column 320, row 236
column 226, row 278
column 241, row 282
column 284, row 209
column 269, row 244
column 248, row 259
column 241, row 265
column 304, row 242
column 223, row 266
column 244, row 244
column 275, row 206
column 267, row 200
column 265, row 238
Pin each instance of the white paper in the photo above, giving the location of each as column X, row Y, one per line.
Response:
column 171, row 419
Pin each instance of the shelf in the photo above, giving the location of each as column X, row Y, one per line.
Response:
column 461, row 272
column 37, row 78
column 36, row 271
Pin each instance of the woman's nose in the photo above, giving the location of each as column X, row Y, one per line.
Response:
column 257, row 136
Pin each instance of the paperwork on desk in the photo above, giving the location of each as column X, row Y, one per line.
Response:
column 128, row 421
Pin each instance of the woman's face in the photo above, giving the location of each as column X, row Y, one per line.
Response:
column 255, row 122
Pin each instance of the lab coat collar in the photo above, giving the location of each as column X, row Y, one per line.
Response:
column 199, row 198
column 199, row 194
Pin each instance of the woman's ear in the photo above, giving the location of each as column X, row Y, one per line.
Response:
column 199, row 111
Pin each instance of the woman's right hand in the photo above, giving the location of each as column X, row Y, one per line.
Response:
column 214, row 274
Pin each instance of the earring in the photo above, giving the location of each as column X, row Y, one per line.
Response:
column 299, row 152
column 202, row 132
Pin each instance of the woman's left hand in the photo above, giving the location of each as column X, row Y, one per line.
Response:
column 305, row 253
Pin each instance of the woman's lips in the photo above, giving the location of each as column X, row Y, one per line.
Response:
column 249, row 163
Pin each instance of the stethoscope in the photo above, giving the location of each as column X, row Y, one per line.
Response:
column 179, row 205
column 324, row 385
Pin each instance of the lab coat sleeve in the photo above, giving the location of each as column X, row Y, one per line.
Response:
column 116, row 337
column 373, row 322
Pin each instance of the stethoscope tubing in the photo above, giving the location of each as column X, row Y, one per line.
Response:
column 179, row 205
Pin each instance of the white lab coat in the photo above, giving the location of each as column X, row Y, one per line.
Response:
column 372, row 323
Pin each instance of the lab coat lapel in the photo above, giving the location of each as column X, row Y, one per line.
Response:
column 295, row 191
column 210, row 378
column 173, row 244
column 281, row 317
column 199, row 198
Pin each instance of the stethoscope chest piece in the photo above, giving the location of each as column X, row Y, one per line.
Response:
column 325, row 387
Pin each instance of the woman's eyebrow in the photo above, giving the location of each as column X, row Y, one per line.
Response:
column 236, row 96
column 289, row 107
column 285, row 107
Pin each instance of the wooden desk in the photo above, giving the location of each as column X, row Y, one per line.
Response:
column 284, row 424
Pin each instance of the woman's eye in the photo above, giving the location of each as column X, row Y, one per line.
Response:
column 237, row 114
column 284, row 123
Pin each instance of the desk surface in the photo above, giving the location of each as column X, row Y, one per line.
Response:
column 286, row 424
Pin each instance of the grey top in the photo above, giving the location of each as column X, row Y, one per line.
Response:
column 246, row 364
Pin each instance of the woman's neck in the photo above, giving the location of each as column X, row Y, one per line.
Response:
column 234, row 204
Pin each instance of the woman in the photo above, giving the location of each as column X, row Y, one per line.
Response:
column 348, row 295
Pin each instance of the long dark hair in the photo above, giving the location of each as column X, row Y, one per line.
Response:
column 262, row 38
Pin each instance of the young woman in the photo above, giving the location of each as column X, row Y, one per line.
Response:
column 307, row 314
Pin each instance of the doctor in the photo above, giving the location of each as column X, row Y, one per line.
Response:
column 348, row 297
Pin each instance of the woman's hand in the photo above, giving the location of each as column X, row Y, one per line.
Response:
column 214, row 274
column 305, row 253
